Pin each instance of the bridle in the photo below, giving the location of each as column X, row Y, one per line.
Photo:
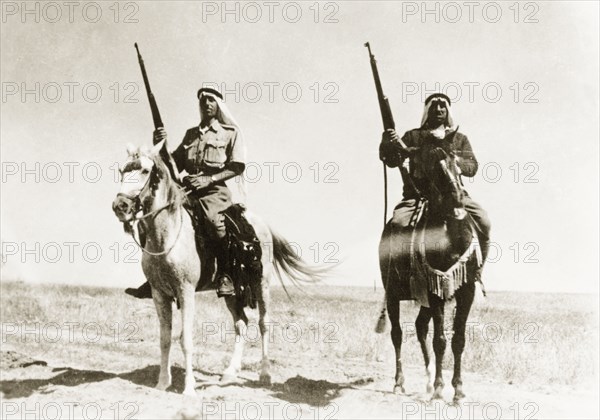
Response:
column 137, row 207
column 456, row 187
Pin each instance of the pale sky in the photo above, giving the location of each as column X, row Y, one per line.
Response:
column 525, row 93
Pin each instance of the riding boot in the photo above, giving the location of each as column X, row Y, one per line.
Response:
column 484, row 245
column 225, row 285
column 142, row 292
column 481, row 223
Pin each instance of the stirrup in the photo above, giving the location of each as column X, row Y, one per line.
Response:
column 225, row 285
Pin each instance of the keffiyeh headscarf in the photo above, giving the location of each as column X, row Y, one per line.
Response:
column 438, row 132
column 223, row 115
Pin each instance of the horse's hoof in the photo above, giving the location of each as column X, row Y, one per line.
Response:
column 437, row 394
column 162, row 386
column 459, row 396
column 265, row 379
column 191, row 392
column 398, row 389
column 228, row 378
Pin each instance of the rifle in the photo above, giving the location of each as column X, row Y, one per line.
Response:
column 164, row 153
column 153, row 107
column 388, row 123
column 384, row 104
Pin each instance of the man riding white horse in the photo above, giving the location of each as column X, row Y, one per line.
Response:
column 211, row 153
column 437, row 123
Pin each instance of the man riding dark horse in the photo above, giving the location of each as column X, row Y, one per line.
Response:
column 437, row 126
column 210, row 153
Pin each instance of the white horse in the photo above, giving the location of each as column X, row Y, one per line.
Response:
column 173, row 263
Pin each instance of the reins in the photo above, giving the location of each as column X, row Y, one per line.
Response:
column 166, row 251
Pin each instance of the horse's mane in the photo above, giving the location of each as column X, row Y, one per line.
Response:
column 174, row 192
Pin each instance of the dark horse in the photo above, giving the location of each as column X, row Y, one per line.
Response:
column 434, row 265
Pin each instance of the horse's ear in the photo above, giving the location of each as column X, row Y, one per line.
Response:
column 131, row 149
column 156, row 148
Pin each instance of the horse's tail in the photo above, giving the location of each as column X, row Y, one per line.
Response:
column 285, row 260
column 382, row 320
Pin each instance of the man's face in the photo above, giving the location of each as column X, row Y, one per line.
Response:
column 208, row 106
column 438, row 113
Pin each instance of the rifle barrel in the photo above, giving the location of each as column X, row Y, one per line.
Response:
column 384, row 106
column 153, row 106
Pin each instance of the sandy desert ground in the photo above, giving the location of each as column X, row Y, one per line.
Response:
column 70, row 352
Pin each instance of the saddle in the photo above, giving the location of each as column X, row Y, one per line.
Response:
column 243, row 251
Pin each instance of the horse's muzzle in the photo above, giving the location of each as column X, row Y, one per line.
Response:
column 123, row 208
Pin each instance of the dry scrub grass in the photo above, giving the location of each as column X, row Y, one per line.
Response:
column 529, row 338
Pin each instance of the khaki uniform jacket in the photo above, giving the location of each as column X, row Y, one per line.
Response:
column 208, row 150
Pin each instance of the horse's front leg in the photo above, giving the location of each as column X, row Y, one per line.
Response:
column 393, row 307
column 164, row 311
column 422, row 327
column 188, row 306
column 464, row 300
column 439, row 343
column 240, row 321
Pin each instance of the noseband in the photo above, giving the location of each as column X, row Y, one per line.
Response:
column 134, row 200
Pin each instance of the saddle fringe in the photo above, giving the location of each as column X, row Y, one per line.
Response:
column 445, row 283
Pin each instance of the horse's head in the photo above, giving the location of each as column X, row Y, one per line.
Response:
column 140, row 176
column 445, row 193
